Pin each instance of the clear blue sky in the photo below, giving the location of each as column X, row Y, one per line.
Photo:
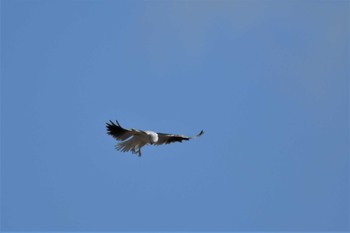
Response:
column 266, row 80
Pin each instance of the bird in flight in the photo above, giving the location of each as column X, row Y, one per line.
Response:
column 133, row 139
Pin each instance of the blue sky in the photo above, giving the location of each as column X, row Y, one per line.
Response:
column 266, row 80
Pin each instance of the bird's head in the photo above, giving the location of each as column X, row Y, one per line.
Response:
column 152, row 137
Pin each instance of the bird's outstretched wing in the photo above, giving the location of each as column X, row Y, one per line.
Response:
column 164, row 138
column 119, row 133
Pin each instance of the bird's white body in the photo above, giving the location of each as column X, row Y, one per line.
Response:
column 152, row 136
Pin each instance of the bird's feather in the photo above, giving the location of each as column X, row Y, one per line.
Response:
column 120, row 133
column 165, row 138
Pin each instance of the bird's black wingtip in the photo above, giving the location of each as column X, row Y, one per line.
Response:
column 112, row 123
column 200, row 133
